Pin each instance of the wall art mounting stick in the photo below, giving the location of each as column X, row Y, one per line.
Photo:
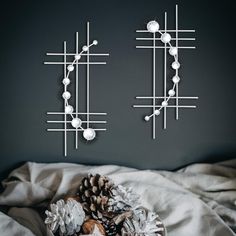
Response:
column 73, row 119
column 170, row 45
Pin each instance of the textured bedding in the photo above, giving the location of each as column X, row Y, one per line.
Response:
column 197, row 200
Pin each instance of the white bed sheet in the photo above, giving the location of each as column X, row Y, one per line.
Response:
column 199, row 200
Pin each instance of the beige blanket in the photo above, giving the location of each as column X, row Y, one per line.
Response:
column 199, row 200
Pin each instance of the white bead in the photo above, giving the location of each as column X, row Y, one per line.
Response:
column 85, row 48
column 176, row 79
column 70, row 68
column 157, row 112
column 165, row 38
column 77, row 57
column 89, row 134
column 175, row 65
column 164, row 103
column 66, row 95
column 173, row 51
column 66, row 81
column 95, row 42
column 69, row 109
column 171, row 92
column 146, row 118
column 76, row 122
column 152, row 26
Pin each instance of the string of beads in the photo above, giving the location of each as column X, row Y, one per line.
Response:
column 153, row 27
column 88, row 133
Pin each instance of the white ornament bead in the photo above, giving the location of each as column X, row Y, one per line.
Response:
column 77, row 57
column 171, row 92
column 175, row 65
column 85, row 48
column 89, row 134
column 69, row 109
column 66, row 95
column 76, row 122
column 95, row 42
column 70, row 68
column 152, row 26
column 173, row 51
column 176, row 79
column 165, row 38
column 157, row 112
column 164, row 103
column 66, row 81
column 146, row 118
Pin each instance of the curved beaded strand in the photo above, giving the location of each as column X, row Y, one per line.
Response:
column 153, row 27
column 89, row 133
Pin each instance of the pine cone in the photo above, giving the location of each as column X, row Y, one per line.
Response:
column 65, row 218
column 143, row 223
column 94, row 192
column 111, row 228
column 122, row 200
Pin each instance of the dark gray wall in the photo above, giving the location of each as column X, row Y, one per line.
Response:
column 29, row 88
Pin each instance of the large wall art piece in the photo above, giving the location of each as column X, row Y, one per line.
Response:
column 71, row 117
column 171, row 44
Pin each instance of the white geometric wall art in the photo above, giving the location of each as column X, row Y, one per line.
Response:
column 169, row 42
column 71, row 117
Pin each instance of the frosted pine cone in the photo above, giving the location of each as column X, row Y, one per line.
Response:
column 143, row 223
column 123, row 199
column 65, row 217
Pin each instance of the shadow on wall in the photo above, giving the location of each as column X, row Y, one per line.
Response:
column 213, row 157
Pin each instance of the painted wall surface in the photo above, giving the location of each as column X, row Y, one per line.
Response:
column 29, row 89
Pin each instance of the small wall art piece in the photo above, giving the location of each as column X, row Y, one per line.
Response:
column 170, row 43
column 71, row 117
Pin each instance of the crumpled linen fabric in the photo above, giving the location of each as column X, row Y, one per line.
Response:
column 197, row 200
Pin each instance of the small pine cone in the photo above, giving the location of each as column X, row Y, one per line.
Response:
column 94, row 192
column 111, row 228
